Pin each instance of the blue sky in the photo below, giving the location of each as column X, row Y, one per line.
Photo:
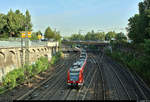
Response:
column 68, row 16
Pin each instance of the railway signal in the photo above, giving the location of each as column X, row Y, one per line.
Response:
column 25, row 35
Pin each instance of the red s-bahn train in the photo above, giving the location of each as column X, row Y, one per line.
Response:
column 75, row 73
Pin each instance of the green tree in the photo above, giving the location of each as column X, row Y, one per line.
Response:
column 3, row 25
column 100, row 36
column 57, row 36
column 66, row 38
column 147, row 47
column 12, row 27
column 121, row 37
column 133, row 31
column 28, row 20
column 92, row 32
column 88, row 36
column 34, row 36
column 49, row 33
column 13, row 23
column 76, row 37
column 139, row 24
column 110, row 35
column 39, row 33
column 20, row 21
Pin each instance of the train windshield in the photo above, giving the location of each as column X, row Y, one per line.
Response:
column 83, row 54
column 74, row 75
column 76, row 66
column 82, row 57
column 73, row 71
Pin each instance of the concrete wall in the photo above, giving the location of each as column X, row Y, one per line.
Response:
column 10, row 57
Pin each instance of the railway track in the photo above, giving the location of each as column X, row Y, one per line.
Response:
column 90, row 89
column 100, row 69
column 100, row 76
column 127, row 80
column 51, row 92
column 122, row 84
column 76, row 94
column 84, row 92
column 98, row 83
column 90, row 83
column 52, row 89
column 59, row 89
column 145, row 88
column 137, row 89
column 87, row 81
column 94, row 81
column 118, row 88
column 44, row 84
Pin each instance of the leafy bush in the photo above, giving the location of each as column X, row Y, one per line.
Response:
column 38, row 67
column 107, row 51
column 14, row 78
column 53, row 60
column 29, row 70
column 18, row 76
column 140, row 64
column 56, row 57
column 2, row 89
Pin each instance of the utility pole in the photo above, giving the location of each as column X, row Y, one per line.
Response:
column 26, row 46
column 27, row 54
column 21, row 54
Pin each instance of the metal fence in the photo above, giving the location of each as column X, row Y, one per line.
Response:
column 18, row 43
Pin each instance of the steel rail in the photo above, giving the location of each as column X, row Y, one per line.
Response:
column 135, row 81
column 77, row 98
column 120, row 82
column 101, row 75
column 89, row 86
column 31, row 91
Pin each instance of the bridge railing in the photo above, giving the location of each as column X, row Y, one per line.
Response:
column 31, row 43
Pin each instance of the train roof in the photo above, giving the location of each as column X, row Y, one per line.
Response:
column 83, row 51
column 82, row 57
column 75, row 69
column 78, row 64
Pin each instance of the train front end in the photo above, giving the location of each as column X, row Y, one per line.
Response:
column 75, row 77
